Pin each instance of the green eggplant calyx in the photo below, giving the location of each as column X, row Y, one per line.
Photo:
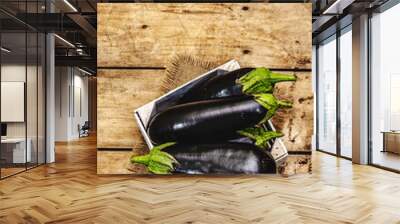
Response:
column 269, row 102
column 279, row 77
column 157, row 161
column 260, row 136
column 262, row 80
column 284, row 104
column 144, row 159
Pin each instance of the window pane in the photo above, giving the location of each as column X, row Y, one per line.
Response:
column 14, row 153
column 32, row 86
column 41, row 98
column 345, row 94
column 31, row 98
column 385, row 84
column 327, row 96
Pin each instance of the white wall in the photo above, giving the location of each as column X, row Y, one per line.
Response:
column 62, row 81
column 33, row 127
column 71, row 102
column 80, row 110
column 13, row 101
column 10, row 73
column 13, row 72
column 16, row 73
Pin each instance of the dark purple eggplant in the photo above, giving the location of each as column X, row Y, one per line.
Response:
column 212, row 120
column 223, row 158
column 236, row 83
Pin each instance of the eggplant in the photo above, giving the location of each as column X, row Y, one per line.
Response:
column 236, row 83
column 212, row 120
column 218, row 158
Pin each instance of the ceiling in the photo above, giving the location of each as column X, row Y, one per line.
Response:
column 74, row 22
column 332, row 15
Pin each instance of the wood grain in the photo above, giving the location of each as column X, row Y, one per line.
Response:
column 258, row 34
column 117, row 162
column 296, row 164
column 70, row 191
column 297, row 122
column 119, row 93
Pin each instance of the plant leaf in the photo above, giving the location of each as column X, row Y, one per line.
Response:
column 262, row 80
column 157, row 161
column 269, row 102
column 260, row 135
column 158, row 168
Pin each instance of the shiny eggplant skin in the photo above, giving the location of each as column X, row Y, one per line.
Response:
column 205, row 121
column 223, row 158
column 217, row 87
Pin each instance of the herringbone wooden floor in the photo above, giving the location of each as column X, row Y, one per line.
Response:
column 69, row 191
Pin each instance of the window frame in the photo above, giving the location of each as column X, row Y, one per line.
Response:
column 336, row 38
column 381, row 9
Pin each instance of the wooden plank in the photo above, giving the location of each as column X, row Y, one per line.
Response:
column 258, row 34
column 296, row 123
column 119, row 93
column 296, row 164
column 117, row 162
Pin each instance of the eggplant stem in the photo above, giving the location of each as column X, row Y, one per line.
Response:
column 269, row 102
column 262, row 80
column 260, row 136
column 144, row 159
column 157, row 161
column 280, row 77
column 284, row 104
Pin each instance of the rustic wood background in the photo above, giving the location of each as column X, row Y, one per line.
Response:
column 120, row 92
column 136, row 42
column 259, row 34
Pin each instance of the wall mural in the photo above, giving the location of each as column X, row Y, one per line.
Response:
column 204, row 88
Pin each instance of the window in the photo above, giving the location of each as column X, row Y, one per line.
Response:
column 385, row 89
column 327, row 96
column 346, row 92
column 22, row 77
column 333, row 106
